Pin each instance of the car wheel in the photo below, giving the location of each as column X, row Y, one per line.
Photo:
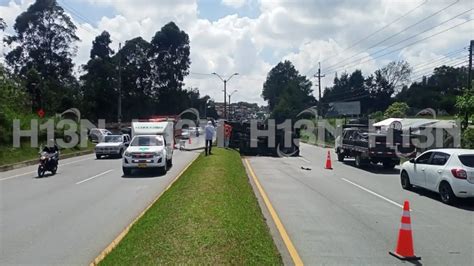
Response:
column 126, row 171
column 120, row 154
column 164, row 169
column 405, row 180
column 446, row 193
column 97, row 156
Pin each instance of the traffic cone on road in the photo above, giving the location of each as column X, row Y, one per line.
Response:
column 328, row 161
column 405, row 250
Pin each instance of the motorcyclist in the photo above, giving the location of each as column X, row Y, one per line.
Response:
column 53, row 151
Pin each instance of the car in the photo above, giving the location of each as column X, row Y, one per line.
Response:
column 97, row 134
column 113, row 146
column 449, row 172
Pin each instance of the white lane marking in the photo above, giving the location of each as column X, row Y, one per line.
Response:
column 90, row 178
column 302, row 158
column 373, row 193
column 27, row 173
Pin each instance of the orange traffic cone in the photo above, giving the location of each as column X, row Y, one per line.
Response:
column 328, row 161
column 405, row 249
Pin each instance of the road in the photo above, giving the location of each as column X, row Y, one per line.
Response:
column 350, row 216
column 69, row 218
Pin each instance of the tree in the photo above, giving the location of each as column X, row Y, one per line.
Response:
column 291, row 102
column 99, row 83
column 278, row 80
column 396, row 74
column 397, row 110
column 136, row 78
column 169, row 59
column 441, row 88
column 465, row 106
column 44, row 41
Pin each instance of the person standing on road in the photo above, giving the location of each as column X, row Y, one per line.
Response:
column 227, row 134
column 210, row 131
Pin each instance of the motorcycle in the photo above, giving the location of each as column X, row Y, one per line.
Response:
column 47, row 163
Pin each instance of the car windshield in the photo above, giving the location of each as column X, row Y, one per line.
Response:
column 147, row 141
column 113, row 139
column 467, row 160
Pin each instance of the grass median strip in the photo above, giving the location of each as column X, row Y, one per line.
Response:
column 209, row 216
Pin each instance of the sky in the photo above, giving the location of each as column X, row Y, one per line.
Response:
column 250, row 37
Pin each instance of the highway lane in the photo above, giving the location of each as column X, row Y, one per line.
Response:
column 351, row 216
column 70, row 217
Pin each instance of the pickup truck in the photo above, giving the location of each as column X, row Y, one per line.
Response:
column 370, row 147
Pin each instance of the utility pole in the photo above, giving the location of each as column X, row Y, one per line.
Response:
column 119, row 113
column 319, row 76
column 469, row 77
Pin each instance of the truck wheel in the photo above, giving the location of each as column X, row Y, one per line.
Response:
column 97, row 156
column 388, row 164
column 340, row 156
column 169, row 162
column 358, row 161
column 446, row 193
column 164, row 169
column 126, row 171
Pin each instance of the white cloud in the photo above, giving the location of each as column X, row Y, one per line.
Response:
column 234, row 3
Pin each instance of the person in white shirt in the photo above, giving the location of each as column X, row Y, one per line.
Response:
column 210, row 131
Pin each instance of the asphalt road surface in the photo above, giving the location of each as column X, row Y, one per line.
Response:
column 69, row 218
column 350, row 216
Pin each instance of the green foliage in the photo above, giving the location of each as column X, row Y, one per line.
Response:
column 44, row 41
column 99, row 88
column 441, row 88
column 279, row 79
column 465, row 105
column 373, row 92
column 377, row 116
column 467, row 138
column 287, row 92
column 397, row 110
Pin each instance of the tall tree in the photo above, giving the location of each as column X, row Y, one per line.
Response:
column 279, row 78
column 136, row 79
column 287, row 92
column 396, row 74
column 170, row 63
column 100, row 96
column 45, row 41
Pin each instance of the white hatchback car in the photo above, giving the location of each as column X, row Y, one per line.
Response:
column 450, row 172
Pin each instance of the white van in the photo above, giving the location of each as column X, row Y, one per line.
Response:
column 151, row 147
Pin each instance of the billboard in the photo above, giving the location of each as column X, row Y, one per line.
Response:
column 343, row 109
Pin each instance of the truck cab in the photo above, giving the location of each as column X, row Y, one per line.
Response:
column 151, row 147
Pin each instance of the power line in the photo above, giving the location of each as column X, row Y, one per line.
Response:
column 375, row 32
column 396, row 34
column 416, row 35
column 408, row 45
column 442, row 57
column 430, row 73
column 442, row 62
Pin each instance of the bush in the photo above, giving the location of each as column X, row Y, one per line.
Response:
column 467, row 138
column 397, row 110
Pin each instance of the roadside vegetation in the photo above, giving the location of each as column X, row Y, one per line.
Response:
column 209, row 216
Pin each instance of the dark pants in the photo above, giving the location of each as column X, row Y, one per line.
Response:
column 208, row 146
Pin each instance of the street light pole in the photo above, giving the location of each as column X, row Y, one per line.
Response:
column 230, row 106
column 225, row 90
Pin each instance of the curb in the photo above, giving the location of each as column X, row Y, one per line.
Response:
column 8, row 167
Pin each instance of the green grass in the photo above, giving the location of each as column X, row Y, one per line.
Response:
column 10, row 155
column 209, row 216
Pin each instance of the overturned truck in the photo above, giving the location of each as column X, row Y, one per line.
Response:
column 259, row 138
